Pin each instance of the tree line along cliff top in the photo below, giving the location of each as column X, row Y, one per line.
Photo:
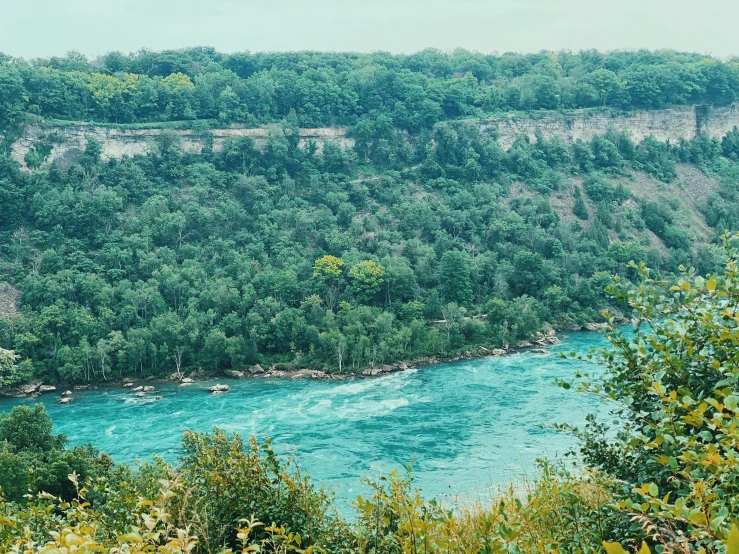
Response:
column 412, row 92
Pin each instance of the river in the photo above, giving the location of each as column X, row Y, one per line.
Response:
column 468, row 425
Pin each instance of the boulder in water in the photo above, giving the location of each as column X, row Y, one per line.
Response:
column 256, row 370
column 65, row 400
column 67, row 393
column 218, row 389
column 137, row 389
column 539, row 351
column 148, row 388
column 46, row 388
column 141, row 395
column 158, row 398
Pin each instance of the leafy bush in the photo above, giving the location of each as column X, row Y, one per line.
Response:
column 676, row 450
column 33, row 460
column 599, row 189
column 228, row 480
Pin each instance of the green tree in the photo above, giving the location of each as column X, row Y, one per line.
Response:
column 367, row 276
column 12, row 372
column 675, row 381
column 455, row 281
column 579, row 208
column 26, row 428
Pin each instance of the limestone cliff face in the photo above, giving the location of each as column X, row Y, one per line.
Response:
column 69, row 141
column 665, row 125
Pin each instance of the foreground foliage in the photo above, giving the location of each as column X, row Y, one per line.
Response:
column 218, row 498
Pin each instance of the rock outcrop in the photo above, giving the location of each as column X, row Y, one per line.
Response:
column 8, row 300
column 234, row 374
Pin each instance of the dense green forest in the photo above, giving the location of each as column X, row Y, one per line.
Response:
column 424, row 239
column 149, row 265
column 414, row 92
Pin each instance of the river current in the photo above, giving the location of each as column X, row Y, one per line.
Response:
column 468, row 426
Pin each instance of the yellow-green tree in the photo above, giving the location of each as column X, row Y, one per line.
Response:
column 366, row 276
column 8, row 368
column 328, row 268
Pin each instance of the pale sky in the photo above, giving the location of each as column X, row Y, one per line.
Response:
column 32, row 28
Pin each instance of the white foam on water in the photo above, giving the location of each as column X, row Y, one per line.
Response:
column 318, row 408
column 365, row 408
column 396, row 381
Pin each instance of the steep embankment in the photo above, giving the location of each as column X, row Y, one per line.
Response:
column 68, row 141
column 684, row 195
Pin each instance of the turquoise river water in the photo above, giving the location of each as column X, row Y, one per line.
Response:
column 468, row 425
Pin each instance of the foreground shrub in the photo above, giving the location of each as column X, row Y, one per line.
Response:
column 559, row 512
column 228, row 481
column 675, row 456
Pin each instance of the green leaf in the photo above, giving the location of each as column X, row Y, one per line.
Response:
column 731, row 402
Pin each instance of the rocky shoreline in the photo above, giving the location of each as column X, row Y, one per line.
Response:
column 34, row 389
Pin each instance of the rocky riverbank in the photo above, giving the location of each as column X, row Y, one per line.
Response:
column 536, row 345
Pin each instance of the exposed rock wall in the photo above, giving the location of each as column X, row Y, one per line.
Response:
column 69, row 141
column 665, row 125
column 8, row 300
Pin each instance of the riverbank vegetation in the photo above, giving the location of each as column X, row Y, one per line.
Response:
column 665, row 479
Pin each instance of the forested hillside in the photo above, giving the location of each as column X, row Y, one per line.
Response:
column 425, row 239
